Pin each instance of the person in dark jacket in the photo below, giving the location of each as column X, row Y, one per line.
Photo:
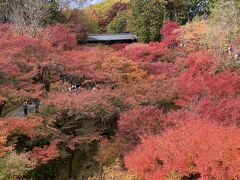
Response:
column 25, row 108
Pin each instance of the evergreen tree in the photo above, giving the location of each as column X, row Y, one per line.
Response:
column 149, row 15
column 53, row 15
column 182, row 11
column 119, row 23
column 146, row 20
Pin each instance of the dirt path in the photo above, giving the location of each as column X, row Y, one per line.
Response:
column 16, row 113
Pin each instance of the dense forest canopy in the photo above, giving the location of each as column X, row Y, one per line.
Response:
column 166, row 107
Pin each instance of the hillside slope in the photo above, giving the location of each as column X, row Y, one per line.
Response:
column 102, row 8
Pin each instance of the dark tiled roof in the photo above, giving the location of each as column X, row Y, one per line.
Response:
column 111, row 37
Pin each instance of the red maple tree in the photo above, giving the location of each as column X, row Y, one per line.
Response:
column 195, row 149
column 170, row 33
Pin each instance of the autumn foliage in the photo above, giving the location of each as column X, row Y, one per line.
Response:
column 224, row 111
column 3, row 140
column 205, row 149
column 137, row 123
column 60, row 36
column 167, row 109
column 26, row 126
column 146, row 52
column 201, row 79
column 170, row 33
column 43, row 155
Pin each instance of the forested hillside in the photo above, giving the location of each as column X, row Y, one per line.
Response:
column 102, row 8
column 166, row 107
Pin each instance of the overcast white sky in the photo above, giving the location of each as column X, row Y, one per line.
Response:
column 96, row 1
column 73, row 5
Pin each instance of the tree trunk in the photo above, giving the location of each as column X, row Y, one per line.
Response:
column 70, row 171
column 47, row 86
column 1, row 108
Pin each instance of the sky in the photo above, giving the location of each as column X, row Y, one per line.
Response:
column 73, row 5
column 96, row 1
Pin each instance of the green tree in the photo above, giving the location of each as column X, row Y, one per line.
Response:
column 146, row 20
column 53, row 14
column 14, row 166
column 182, row 11
column 119, row 23
column 148, row 16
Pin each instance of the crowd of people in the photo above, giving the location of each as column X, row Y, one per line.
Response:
column 80, row 87
column 76, row 86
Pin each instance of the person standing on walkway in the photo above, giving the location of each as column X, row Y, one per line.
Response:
column 25, row 108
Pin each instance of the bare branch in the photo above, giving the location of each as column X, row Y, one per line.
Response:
column 28, row 13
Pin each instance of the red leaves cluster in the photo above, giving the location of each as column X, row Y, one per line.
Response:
column 118, row 46
column 225, row 111
column 2, row 99
column 83, row 102
column 3, row 139
column 170, row 33
column 196, row 147
column 85, row 61
column 44, row 154
column 6, row 31
column 26, row 125
column 30, row 63
column 196, row 85
column 60, row 36
column 20, row 58
column 200, row 59
column 146, row 52
column 160, row 68
column 8, row 68
column 148, row 92
column 196, row 143
column 30, row 127
column 201, row 80
column 140, row 122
